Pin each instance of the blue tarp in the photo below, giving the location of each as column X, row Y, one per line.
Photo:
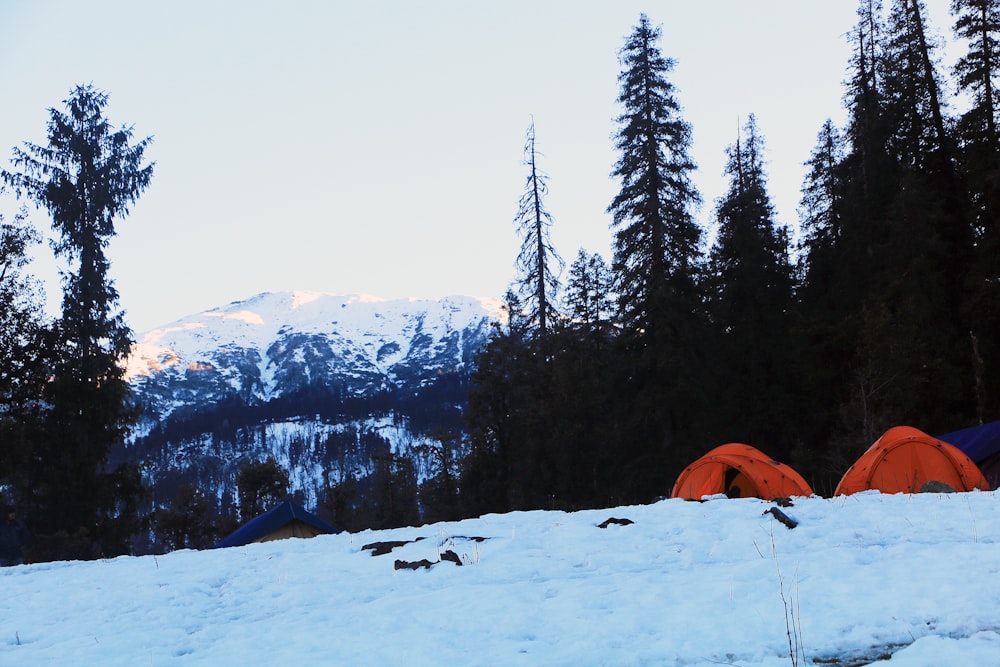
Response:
column 977, row 442
column 272, row 520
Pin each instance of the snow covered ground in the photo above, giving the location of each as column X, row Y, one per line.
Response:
column 860, row 579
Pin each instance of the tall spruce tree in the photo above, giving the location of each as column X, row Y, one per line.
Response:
column 657, row 241
column 867, row 171
column 657, row 265
column 538, row 263
column 87, row 176
column 977, row 22
column 917, row 330
column 510, row 465
column 820, row 207
column 751, row 277
column 911, row 86
column 823, row 320
column 847, row 199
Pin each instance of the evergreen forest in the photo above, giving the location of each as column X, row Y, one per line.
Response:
column 884, row 311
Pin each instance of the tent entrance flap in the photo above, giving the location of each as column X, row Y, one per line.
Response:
column 717, row 477
column 738, row 485
column 295, row 528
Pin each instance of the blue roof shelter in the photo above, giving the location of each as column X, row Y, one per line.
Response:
column 287, row 519
column 982, row 445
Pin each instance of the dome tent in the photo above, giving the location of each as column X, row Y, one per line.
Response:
column 739, row 471
column 904, row 459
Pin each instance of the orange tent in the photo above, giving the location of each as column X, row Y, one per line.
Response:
column 739, row 471
column 904, row 458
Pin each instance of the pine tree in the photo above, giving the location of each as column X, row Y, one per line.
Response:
column 911, row 87
column 190, row 522
column 867, row 171
column 657, row 240
column 921, row 338
column 752, row 278
column 589, row 295
column 509, row 466
column 393, row 502
column 820, row 274
column 848, row 198
column 824, row 321
column 86, row 177
column 538, row 263
column 657, row 266
column 978, row 23
column 820, row 208
column 439, row 492
column 261, row 485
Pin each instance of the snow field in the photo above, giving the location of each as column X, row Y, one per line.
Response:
column 687, row 584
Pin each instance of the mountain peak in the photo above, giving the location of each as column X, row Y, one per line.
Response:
column 274, row 342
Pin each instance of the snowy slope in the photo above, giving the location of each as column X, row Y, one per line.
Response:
column 686, row 584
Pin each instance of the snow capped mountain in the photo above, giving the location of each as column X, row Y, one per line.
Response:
column 323, row 383
column 274, row 343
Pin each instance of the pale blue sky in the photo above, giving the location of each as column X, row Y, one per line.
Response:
column 376, row 146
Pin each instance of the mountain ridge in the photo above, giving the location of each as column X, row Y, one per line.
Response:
column 273, row 342
column 322, row 382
